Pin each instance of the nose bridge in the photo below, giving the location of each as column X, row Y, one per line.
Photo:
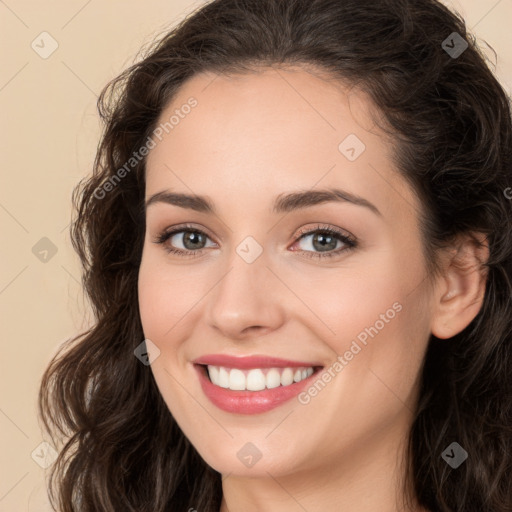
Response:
column 247, row 295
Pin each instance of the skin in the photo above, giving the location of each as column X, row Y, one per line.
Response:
column 251, row 138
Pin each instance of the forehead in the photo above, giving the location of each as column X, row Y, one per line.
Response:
column 271, row 129
column 270, row 105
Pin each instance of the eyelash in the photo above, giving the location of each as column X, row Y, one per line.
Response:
column 325, row 230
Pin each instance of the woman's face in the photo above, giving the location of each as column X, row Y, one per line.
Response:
column 260, row 276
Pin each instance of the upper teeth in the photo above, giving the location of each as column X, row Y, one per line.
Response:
column 256, row 379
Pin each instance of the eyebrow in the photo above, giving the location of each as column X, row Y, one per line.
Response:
column 283, row 203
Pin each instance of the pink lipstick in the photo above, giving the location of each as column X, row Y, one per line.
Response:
column 254, row 384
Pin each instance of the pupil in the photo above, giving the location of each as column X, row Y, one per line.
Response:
column 325, row 242
column 192, row 238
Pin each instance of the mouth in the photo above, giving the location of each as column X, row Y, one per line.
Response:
column 240, row 388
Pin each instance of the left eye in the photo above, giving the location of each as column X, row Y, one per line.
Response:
column 321, row 241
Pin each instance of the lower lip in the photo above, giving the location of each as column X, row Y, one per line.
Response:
column 249, row 402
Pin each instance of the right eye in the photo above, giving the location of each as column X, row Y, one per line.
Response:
column 192, row 240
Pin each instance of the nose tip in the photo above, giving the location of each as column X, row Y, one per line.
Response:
column 245, row 302
column 245, row 319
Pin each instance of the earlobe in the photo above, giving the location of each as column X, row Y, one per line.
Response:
column 460, row 293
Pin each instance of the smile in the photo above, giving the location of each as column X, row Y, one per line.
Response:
column 252, row 385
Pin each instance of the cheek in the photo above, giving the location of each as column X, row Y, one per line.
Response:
column 163, row 304
column 350, row 299
column 152, row 296
column 378, row 320
column 165, row 296
column 373, row 375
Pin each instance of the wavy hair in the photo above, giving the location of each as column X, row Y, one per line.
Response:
column 450, row 122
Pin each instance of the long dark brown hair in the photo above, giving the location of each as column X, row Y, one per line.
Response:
column 451, row 125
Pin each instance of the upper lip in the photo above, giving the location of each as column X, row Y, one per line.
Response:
column 246, row 362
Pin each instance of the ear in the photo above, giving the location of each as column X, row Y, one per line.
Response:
column 461, row 288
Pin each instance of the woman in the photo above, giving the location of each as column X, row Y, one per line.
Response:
column 297, row 244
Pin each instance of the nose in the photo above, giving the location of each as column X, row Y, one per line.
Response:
column 247, row 301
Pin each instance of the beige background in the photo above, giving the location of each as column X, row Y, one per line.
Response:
column 49, row 132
